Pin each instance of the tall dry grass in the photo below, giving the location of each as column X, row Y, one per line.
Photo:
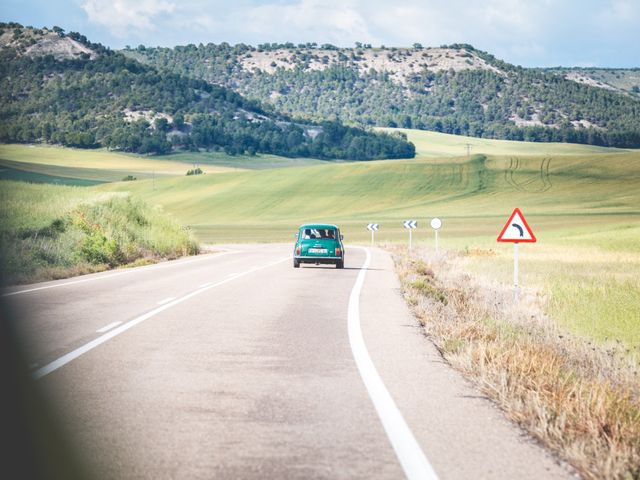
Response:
column 580, row 399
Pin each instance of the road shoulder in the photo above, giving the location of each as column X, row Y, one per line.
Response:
column 462, row 433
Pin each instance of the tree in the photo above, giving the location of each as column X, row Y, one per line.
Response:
column 161, row 124
column 178, row 121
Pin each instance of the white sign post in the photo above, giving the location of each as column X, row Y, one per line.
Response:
column 410, row 224
column 516, row 231
column 373, row 227
column 436, row 223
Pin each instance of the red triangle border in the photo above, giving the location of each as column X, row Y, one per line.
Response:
column 506, row 225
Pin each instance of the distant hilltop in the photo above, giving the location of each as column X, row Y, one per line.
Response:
column 400, row 63
column 44, row 41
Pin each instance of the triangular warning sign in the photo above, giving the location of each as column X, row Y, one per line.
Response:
column 517, row 229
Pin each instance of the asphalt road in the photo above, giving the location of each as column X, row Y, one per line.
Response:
column 237, row 365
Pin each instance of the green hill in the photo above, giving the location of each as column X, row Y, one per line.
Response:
column 75, row 166
column 451, row 89
column 62, row 89
column 438, row 145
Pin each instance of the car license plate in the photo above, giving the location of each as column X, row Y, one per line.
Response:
column 317, row 250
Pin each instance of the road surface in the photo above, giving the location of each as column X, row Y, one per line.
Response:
column 237, row 365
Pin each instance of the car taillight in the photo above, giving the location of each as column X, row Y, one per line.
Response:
column 337, row 252
column 297, row 250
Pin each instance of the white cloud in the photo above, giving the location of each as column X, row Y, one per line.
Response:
column 306, row 20
column 541, row 32
column 399, row 23
column 123, row 16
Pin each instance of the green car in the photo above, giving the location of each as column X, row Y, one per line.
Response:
column 318, row 243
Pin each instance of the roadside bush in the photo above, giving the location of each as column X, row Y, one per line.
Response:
column 96, row 248
column 124, row 229
column 50, row 231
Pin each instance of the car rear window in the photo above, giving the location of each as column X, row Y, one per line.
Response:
column 319, row 233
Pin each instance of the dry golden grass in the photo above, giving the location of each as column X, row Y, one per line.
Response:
column 580, row 399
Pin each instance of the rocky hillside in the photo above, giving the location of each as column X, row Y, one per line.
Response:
column 400, row 64
column 42, row 41
column 61, row 88
column 624, row 80
column 453, row 89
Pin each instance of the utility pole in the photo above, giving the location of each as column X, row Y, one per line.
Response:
column 468, row 149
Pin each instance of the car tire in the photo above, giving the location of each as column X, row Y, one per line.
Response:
column 296, row 263
column 340, row 264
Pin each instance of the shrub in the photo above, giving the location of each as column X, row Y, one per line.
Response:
column 96, row 248
column 51, row 232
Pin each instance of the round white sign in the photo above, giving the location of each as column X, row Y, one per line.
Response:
column 436, row 223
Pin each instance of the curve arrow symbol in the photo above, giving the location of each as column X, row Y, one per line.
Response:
column 519, row 229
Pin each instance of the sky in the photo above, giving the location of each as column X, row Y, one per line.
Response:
column 531, row 33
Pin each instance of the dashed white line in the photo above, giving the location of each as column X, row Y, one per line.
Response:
column 166, row 300
column 106, row 328
column 62, row 361
column 116, row 274
column 411, row 457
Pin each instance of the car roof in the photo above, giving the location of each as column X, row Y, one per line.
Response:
column 318, row 225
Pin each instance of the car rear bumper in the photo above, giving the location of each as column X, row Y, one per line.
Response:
column 318, row 259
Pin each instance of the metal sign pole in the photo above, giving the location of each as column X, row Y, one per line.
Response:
column 410, row 230
column 436, row 241
column 515, row 272
column 372, row 236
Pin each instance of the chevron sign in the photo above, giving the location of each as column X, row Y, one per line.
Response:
column 373, row 227
column 410, row 224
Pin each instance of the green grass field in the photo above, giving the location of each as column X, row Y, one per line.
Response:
column 207, row 160
column 473, row 198
column 14, row 171
column 104, row 166
column 583, row 203
column 438, row 145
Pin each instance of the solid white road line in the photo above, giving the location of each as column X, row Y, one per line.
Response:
column 116, row 274
column 166, row 300
column 60, row 362
column 106, row 328
column 205, row 285
column 412, row 459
